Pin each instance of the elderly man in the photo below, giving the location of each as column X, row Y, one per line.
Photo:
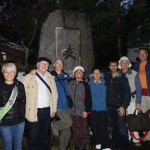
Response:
column 143, row 68
column 62, row 126
column 41, row 103
column 135, row 86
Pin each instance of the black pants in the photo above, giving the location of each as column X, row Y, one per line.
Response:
column 99, row 126
column 38, row 131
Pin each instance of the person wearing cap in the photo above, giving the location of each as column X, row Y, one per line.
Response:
column 118, row 97
column 82, row 104
column 143, row 68
column 136, row 93
column 41, row 103
column 62, row 126
column 98, row 117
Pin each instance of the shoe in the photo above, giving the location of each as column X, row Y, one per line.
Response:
column 77, row 147
column 54, row 130
column 137, row 144
column 98, row 147
column 106, row 149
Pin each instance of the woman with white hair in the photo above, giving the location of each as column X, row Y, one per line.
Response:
column 135, row 86
column 12, row 108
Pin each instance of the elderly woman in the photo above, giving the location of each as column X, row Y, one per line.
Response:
column 12, row 108
column 82, row 104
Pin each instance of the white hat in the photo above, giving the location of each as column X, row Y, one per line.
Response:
column 78, row 68
column 123, row 58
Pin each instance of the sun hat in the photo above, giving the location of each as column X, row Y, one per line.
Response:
column 78, row 68
column 123, row 58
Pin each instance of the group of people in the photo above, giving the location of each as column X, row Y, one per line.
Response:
column 52, row 98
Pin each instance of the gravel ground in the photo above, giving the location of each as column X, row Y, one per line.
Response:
column 54, row 144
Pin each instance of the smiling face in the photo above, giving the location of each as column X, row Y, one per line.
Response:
column 9, row 75
column 113, row 67
column 9, row 72
column 96, row 74
column 42, row 66
column 143, row 55
column 78, row 74
column 58, row 65
column 124, row 65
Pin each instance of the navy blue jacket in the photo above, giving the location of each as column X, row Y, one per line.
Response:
column 147, row 68
column 118, row 91
column 98, row 92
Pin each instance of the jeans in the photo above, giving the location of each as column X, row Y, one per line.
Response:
column 12, row 136
column 38, row 131
column 119, row 129
column 63, row 125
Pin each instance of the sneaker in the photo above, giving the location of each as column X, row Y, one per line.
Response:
column 98, row 147
column 54, row 130
column 138, row 144
column 106, row 149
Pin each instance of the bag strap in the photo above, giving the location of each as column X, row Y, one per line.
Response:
column 9, row 104
column 44, row 82
column 141, row 138
column 61, row 84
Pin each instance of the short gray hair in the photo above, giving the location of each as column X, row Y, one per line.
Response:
column 10, row 67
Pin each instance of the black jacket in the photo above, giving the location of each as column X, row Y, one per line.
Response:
column 17, row 113
column 118, row 90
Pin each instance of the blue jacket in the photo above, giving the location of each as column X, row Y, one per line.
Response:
column 147, row 68
column 62, row 89
column 98, row 92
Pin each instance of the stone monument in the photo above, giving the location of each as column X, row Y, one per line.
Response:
column 67, row 34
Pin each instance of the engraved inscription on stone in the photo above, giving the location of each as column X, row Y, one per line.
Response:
column 68, row 46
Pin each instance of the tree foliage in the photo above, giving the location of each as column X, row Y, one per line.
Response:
column 115, row 23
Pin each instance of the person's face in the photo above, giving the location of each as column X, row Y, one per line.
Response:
column 79, row 74
column 42, row 66
column 124, row 64
column 58, row 65
column 113, row 67
column 143, row 55
column 96, row 74
column 9, row 75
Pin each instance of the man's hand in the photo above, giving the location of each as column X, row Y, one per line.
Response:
column 33, row 71
column 53, row 114
column 138, row 106
column 84, row 114
column 121, row 111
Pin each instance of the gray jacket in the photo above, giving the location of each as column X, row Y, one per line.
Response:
column 81, row 97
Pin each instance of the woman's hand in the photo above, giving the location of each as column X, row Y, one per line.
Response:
column 84, row 114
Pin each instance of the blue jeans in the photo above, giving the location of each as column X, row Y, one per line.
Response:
column 12, row 136
column 119, row 129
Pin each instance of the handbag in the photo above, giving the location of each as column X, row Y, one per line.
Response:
column 139, row 122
